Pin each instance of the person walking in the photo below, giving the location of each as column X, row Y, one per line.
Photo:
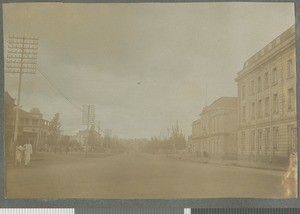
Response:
column 19, row 151
column 27, row 153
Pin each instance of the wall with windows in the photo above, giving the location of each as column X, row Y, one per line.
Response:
column 267, row 101
column 211, row 134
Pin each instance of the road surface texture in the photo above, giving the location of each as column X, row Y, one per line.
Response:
column 137, row 175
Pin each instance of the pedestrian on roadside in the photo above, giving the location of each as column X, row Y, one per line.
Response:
column 19, row 152
column 27, row 153
column 290, row 178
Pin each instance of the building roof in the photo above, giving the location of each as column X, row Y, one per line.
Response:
column 8, row 99
column 35, row 111
column 267, row 51
column 196, row 121
column 224, row 102
column 221, row 103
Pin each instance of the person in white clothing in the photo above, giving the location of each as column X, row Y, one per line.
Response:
column 27, row 153
column 19, row 151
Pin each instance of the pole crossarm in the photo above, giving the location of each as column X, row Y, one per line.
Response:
column 88, row 115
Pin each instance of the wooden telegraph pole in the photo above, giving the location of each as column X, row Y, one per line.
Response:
column 21, row 59
column 88, row 118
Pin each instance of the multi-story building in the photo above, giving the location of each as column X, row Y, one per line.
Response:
column 212, row 134
column 32, row 126
column 267, row 101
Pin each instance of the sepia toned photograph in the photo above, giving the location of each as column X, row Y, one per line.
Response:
column 150, row 100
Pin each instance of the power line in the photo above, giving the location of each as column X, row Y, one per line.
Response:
column 14, row 43
column 58, row 90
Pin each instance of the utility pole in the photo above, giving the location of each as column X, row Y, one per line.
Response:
column 88, row 115
column 21, row 59
column 99, row 127
column 88, row 118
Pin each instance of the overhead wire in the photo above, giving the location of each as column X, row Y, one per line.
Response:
column 58, row 90
column 55, row 87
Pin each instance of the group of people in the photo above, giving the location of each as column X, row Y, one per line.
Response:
column 23, row 151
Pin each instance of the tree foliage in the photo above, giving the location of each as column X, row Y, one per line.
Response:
column 175, row 141
column 54, row 130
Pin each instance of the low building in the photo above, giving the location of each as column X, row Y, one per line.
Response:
column 267, row 102
column 211, row 133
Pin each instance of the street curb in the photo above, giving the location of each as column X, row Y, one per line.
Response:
column 234, row 164
column 262, row 168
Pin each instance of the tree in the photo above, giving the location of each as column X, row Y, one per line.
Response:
column 177, row 138
column 54, row 130
column 92, row 137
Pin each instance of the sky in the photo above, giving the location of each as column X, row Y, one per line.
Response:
column 143, row 65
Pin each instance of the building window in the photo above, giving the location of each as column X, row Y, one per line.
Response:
column 244, row 113
column 267, row 106
column 252, row 141
column 275, row 138
column 267, row 139
column 275, row 103
column 274, row 75
column 259, row 139
column 252, row 87
column 259, row 84
column 243, row 92
column 266, row 80
column 259, row 108
column 243, row 141
column 291, row 98
column 253, row 111
column 291, row 138
column 290, row 68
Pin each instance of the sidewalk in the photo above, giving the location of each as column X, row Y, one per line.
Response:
column 235, row 163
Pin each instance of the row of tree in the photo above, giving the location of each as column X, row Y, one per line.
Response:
column 176, row 141
column 92, row 142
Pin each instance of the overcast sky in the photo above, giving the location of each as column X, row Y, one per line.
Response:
column 144, row 65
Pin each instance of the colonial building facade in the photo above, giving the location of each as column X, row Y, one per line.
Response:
column 214, row 132
column 267, row 102
column 33, row 127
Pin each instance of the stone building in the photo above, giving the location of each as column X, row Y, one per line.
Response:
column 267, row 101
column 211, row 133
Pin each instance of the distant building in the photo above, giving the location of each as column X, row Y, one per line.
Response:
column 215, row 131
column 32, row 126
column 267, row 101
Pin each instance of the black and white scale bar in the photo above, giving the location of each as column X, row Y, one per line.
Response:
column 130, row 211
column 37, row 211
column 245, row 211
column 151, row 211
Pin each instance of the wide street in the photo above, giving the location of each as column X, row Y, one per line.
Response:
column 136, row 175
